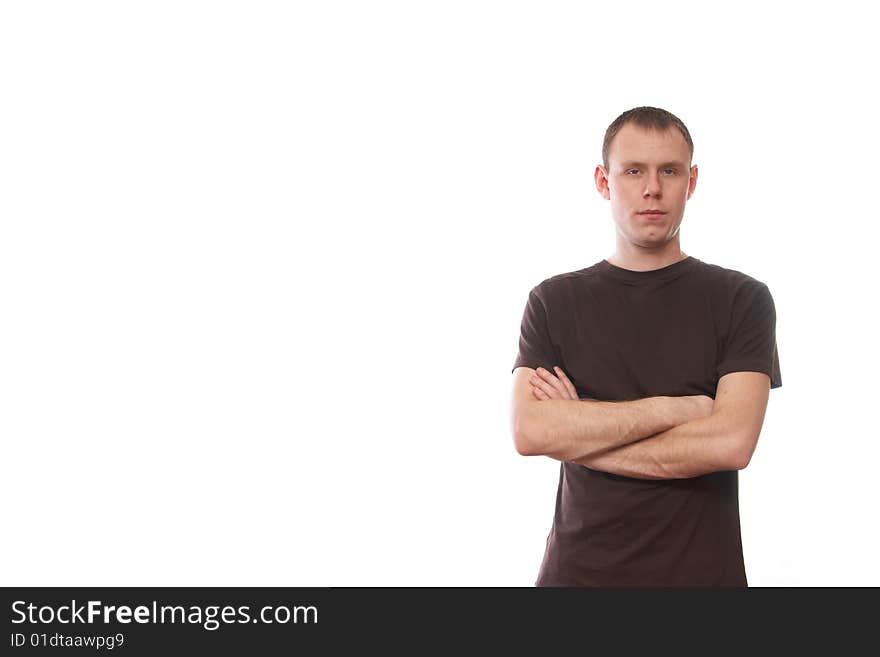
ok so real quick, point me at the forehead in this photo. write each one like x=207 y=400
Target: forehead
x=634 y=143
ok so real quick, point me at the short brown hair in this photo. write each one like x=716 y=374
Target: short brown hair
x=645 y=117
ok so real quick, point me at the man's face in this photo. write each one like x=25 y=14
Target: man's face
x=647 y=170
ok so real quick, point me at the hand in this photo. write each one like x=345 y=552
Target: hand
x=546 y=386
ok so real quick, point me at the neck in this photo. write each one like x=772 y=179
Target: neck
x=637 y=258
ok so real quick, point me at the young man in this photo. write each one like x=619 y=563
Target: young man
x=647 y=375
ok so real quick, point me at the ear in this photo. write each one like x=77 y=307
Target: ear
x=601 y=177
x=692 y=182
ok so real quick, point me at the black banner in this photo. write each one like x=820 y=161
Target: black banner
x=145 y=620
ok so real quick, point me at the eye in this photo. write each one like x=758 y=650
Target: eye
x=629 y=170
x=671 y=171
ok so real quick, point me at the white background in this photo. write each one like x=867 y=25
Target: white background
x=263 y=264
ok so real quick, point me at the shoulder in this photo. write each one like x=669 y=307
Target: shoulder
x=561 y=284
x=736 y=294
x=732 y=280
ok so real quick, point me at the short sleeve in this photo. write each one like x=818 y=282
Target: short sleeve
x=751 y=341
x=535 y=346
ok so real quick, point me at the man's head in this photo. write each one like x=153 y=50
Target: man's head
x=646 y=158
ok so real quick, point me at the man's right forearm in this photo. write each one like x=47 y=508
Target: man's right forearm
x=567 y=429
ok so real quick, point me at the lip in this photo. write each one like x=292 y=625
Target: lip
x=652 y=214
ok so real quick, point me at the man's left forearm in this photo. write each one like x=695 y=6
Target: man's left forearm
x=694 y=448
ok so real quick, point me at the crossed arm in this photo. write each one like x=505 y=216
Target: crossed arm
x=691 y=438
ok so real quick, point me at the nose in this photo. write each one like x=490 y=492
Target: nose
x=652 y=185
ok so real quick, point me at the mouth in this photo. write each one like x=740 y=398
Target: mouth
x=652 y=213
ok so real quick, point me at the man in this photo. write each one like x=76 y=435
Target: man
x=647 y=375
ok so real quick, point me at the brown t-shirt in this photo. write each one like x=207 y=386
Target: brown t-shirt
x=622 y=335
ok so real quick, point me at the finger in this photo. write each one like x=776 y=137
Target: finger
x=540 y=394
x=551 y=380
x=566 y=382
x=543 y=386
x=551 y=386
x=562 y=384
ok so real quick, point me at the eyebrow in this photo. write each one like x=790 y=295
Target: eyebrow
x=681 y=165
